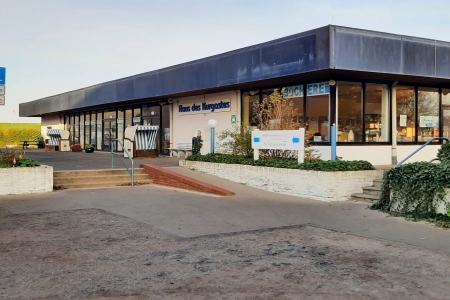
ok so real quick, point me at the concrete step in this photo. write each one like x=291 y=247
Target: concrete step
x=65 y=186
x=378 y=182
x=98 y=178
x=365 y=197
x=372 y=190
x=92 y=179
x=95 y=172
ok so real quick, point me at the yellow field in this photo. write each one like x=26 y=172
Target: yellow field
x=12 y=134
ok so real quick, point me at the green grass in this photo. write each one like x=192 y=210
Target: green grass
x=12 y=134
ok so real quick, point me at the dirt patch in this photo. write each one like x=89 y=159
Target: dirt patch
x=92 y=254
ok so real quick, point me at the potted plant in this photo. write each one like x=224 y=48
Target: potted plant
x=76 y=148
x=89 y=148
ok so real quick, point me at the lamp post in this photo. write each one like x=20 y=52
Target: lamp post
x=212 y=124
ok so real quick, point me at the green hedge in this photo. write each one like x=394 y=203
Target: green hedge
x=328 y=166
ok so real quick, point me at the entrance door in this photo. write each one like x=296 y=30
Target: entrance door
x=109 y=134
x=154 y=121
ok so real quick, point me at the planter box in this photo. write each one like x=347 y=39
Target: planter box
x=26 y=180
x=317 y=185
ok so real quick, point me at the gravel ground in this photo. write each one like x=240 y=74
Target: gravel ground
x=92 y=254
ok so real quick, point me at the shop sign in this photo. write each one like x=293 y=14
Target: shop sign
x=403 y=120
x=136 y=119
x=2 y=100
x=313 y=89
x=293 y=91
x=204 y=107
x=279 y=139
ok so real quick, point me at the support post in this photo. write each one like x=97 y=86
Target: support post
x=394 y=124
x=333 y=141
x=212 y=140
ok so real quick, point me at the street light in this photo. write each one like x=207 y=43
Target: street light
x=212 y=124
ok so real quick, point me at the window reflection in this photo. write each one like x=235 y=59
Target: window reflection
x=349 y=112
x=428 y=110
x=405 y=114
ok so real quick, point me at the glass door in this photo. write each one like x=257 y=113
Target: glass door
x=109 y=134
x=154 y=121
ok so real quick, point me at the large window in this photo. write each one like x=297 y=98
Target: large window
x=249 y=100
x=428 y=113
x=349 y=107
x=376 y=118
x=406 y=120
x=317 y=118
x=445 y=113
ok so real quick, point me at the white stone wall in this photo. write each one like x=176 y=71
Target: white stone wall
x=26 y=180
x=324 y=186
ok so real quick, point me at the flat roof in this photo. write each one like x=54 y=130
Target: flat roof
x=332 y=48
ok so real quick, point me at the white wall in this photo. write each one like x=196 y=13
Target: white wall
x=186 y=126
x=26 y=180
x=380 y=155
x=324 y=186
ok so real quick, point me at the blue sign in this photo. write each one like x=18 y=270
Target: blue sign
x=256 y=140
x=315 y=89
x=295 y=140
x=293 y=91
x=2 y=76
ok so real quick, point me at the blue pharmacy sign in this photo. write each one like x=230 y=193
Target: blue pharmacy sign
x=2 y=76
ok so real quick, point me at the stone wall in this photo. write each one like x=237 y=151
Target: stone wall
x=26 y=180
x=324 y=186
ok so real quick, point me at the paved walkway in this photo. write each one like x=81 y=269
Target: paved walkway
x=189 y=214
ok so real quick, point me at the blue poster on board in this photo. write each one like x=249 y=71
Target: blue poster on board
x=2 y=76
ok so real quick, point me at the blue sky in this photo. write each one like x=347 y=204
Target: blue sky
x=53 y=46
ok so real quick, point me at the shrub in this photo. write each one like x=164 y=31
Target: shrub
x=237 y=141
x=16 y=158
x=197 y=145
x=444 y=153
x=327 y=166
x=415 y=190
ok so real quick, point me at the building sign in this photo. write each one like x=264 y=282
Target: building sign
x=2 y=76
x=314 y=89
x=279 y=139
x=429 y=121
x=233 y=119
x=204 y=107
x=293 y=91
x=136 y=119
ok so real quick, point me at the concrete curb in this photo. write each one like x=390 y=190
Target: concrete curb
x=196 y=184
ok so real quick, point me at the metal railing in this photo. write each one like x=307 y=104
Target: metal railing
x=125 y=150
x=423 y=146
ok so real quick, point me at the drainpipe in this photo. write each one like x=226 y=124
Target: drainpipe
x=394 y=124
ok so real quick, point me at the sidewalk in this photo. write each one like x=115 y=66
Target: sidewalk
x=190 y=214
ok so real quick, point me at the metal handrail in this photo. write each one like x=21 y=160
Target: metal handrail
x=423 y=146
x=125 y=150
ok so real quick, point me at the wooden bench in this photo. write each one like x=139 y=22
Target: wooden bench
x=185 y=148
x=25 y=144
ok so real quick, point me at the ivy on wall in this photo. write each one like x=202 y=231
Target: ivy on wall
x=415 y=190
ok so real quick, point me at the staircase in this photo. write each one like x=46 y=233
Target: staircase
x=370 y=193
x=98 y=178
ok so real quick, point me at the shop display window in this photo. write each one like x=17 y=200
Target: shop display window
x=428 y=114
x=406 y=121
x=349 y=108
x=376 y=118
